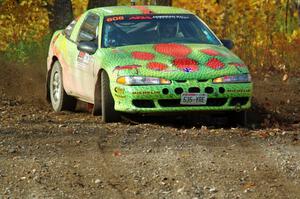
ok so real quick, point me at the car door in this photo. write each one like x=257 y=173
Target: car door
x=84 y=78
x=69 y=50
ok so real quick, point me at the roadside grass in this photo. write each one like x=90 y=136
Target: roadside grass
x=28 y=53
x=23 y=70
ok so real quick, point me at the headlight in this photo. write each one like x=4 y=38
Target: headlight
x=233 y=79
x=138 y=80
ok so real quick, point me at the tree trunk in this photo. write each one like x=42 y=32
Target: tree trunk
x=101 y=3
x=299 y=16
x=60 y=14
x=164 y=2
x=298 y=8
x=287 y=15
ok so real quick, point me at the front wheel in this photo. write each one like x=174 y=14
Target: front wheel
x=108 y=111
x=59 y=99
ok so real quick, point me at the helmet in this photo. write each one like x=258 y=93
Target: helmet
x=168 y=29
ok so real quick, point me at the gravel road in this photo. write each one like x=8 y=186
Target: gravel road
x=74 y=155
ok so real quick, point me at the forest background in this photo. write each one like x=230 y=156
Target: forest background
x=266 y=33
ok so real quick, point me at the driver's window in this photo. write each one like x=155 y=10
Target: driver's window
x=68 y=30
x=89 y=29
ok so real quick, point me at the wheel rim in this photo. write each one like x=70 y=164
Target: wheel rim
x=56 y=87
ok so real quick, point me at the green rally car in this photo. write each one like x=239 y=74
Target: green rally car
x=144 y=59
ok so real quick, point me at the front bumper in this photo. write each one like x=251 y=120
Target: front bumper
x=166 y=98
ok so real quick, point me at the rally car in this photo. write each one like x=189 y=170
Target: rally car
x=145 y=59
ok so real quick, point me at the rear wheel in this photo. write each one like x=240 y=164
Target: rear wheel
x=108 y=111
x=59 y=99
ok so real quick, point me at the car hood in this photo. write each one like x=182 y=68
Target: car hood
x=173 y=61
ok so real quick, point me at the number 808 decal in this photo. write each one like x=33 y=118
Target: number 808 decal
x=115 y=18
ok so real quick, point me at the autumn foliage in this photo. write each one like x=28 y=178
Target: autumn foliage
x=266 y=33
x=22 y=22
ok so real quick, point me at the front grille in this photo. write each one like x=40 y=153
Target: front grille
x=209 y=90
x=194 y=90
x=178 y=91
x=239 y=100
x=176 y=102
x=221 y=90
x=143 y=103
x=180 y=81
x=165 y=91
x=202 y=80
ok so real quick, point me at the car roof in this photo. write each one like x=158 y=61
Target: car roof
x=128 y=10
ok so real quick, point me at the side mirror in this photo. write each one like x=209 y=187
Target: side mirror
x=88 y=47
x=227 y=43
x=84 y=36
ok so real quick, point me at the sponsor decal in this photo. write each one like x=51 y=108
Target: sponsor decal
x=119 y=90
x=238 y=91
x=120 y=96
x=146 y=92
x=140 y=18
x=116 y=18
x=148 y=16
x=83 y=59
x=170 y=17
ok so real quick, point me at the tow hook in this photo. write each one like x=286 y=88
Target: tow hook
x=238 y=107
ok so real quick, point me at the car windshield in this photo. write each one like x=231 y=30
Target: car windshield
x=153 y=29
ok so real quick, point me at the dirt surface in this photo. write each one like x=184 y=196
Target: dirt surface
x=74 y=155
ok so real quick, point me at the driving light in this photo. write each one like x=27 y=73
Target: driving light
x=138 y=80
x=233 y=79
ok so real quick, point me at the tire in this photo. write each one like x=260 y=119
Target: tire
x=237 y=118
x=60 y=101
x=108 y=111
x=97 y=109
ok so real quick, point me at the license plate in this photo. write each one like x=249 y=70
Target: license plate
x=193 y=98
